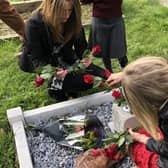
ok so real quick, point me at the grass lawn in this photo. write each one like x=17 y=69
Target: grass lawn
x=147 y=34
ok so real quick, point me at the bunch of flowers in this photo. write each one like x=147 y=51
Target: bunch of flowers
x=115 y=145
x=118 y=96
x=46 y=72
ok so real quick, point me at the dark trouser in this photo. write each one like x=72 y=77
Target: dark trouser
x=74 y=83
x=123 y=61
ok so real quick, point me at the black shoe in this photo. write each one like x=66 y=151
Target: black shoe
x=123 y=61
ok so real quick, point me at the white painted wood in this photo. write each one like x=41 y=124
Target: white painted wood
x=16 y=121
x=119 y=116
x=15 y=115
x=70 y=106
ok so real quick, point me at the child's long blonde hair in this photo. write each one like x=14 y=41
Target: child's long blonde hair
x=51 y=11
x=145 y=83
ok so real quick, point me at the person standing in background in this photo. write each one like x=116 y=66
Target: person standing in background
x=108 y=31
x=11 y=17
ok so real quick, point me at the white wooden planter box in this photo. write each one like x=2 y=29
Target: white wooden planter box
x=17 y=119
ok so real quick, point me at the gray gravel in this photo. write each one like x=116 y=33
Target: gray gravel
x=46 y=153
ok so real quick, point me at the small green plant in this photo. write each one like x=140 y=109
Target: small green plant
x=89 y=140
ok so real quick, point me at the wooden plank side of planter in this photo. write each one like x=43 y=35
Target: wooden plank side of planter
x=16 y=120
x=67 y=107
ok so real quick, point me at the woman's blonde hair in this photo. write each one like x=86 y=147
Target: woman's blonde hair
x=145 y=85
x=51 y=11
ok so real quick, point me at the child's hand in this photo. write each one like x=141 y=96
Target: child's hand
x=61 y=73
x=114 y=79
x=138 y=137
x=87 y=61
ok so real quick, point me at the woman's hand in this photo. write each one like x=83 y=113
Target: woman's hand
x=87 y=61
x=114 y=78
x=138 y=137
x=61 y=73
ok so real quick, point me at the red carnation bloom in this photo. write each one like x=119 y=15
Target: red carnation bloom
x=112 y=153
x=106 y=152
x=96 y=152
x=107 y=73
x=116 y=94
x=112 y=148
x=88 y=79
x=96 y=49
x=117 y=156
x=39 y=81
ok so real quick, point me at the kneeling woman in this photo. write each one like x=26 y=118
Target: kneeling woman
x=54 y=35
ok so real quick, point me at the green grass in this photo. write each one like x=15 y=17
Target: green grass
x=146 y=27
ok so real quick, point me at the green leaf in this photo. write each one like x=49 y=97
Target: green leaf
x=121 y=141
x=86 y=53
x=38 y=70
x=136 y=128
x=48 y=68
x=46 y=76
x=81 y=66
x=128 y=139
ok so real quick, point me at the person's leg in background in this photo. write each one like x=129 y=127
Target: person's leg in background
x=99 y=35
x=107 y=63
x=123 y=61
x=118 y=47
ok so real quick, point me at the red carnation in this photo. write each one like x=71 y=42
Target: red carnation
x=107 y=73
x=106 y=152
x=39 y=81
x=96 y=152
x=117 y=156
x=96 y=49
x=110 y=151
x=112 y=148
x=116 y=94
x=88 y=79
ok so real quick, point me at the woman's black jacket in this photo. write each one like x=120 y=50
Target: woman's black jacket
x=161 y=147
x=41 y=49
